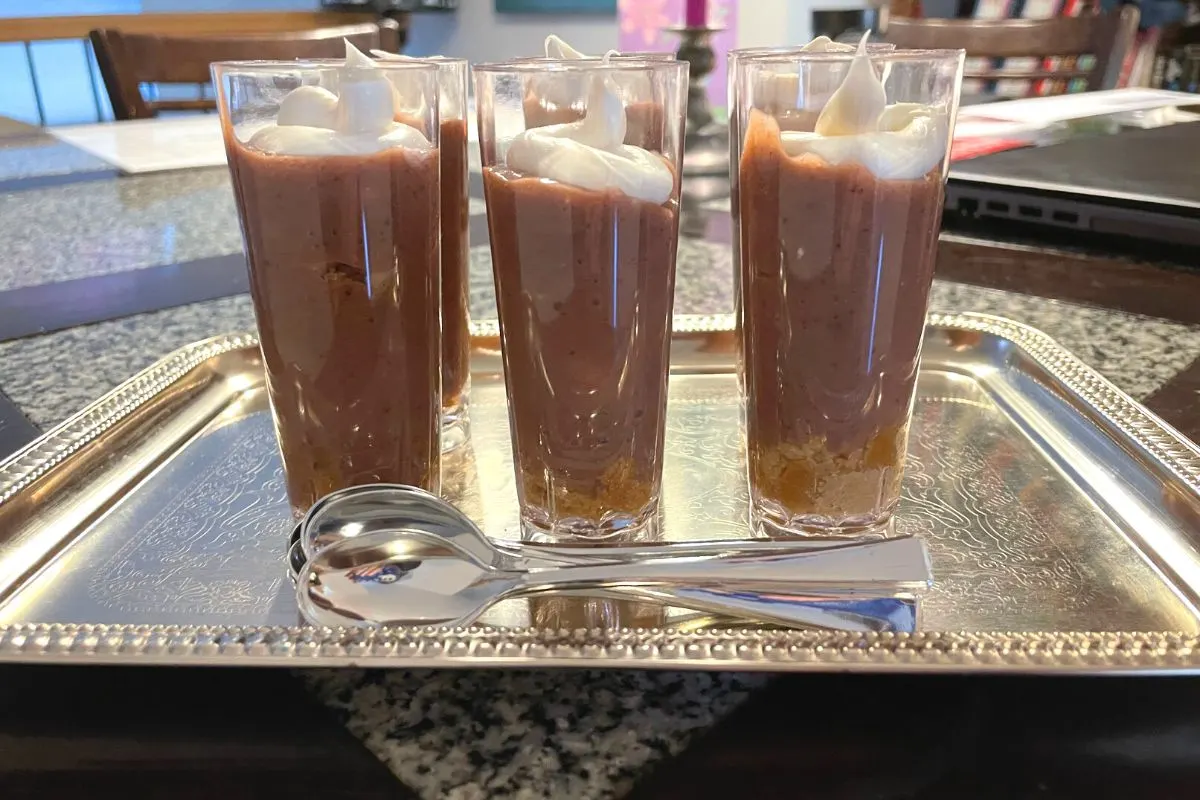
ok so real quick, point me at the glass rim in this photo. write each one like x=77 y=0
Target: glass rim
x=649 y=55
x=793 y=56
x=535 y=65
x=440 y=61
x=630 y=55
x=268 y=66
x=783 y=50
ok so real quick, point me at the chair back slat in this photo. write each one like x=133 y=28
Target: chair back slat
x=129 y=60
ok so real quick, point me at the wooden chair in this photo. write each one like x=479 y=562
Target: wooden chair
x=128 y=60
x=1107 y=37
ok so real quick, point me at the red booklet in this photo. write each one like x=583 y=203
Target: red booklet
x=962 y=149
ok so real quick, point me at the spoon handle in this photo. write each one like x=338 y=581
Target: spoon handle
x=566 y=555
x=894 y=564
x=846 y=611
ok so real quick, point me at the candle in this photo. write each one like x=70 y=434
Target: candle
x=695 y=13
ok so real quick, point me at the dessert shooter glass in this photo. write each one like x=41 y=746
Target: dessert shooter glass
x=456 y=248
x=585 y=283
x=837 y=238
x=792 y=108
x=456 y=252
x=344 y=263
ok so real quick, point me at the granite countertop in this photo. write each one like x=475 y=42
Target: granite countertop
x=40 y=155
x=92 y=228
x=468 y=735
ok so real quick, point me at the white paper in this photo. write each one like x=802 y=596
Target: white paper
x=1063 y=107
x=157 y=145
x=151 y=145
x=991 y=128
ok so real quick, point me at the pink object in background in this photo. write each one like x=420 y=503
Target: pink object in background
x=641 y=29
x=696 y=15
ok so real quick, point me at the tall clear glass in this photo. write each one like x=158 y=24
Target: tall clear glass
x=788 y=105
x=584 y=229
x=456 y=247
x=456 y=253
x=339 y=207
x=840 y=167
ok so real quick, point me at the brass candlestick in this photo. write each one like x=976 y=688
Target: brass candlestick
x=706 y=141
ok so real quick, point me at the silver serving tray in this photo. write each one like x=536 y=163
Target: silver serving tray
x=1062 y=519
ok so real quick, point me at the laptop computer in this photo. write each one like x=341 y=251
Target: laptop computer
x=1137 y=184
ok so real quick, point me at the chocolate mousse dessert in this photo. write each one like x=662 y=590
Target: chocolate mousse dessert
x=585 y=290
x=455 y=220
x=340 y=220
x=837 y=250
x=456 y=254
x=584 y=267
x=644 y=125
x=541 y=111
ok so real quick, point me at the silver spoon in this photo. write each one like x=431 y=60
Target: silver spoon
x=362 y=510
x=417 y=578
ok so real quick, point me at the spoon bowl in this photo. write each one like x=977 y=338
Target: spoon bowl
x=410 y=580
x=362 y=510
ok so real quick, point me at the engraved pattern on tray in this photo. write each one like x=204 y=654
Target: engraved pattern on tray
x=982 y=559
x=44 y=454
x=224 y=521
x=226 y=524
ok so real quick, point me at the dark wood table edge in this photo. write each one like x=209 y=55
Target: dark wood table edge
x=9 y=185
x=16 y=430
x=1153 y=288
x=47 y=307
x=1161 y=290
x=199 y=732
x=1178 y=401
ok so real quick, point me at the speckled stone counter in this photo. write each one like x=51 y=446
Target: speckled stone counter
x=95 y=228
x=41 y=156
x=53 y=375
x=532 y=734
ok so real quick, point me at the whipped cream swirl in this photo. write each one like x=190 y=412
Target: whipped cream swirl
x=784 y=91
x=450 y=99
x=559 y=49
x=591 y=153
x=902 y=141
x=823 y=44
x=566 y=90
x=358 y=120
